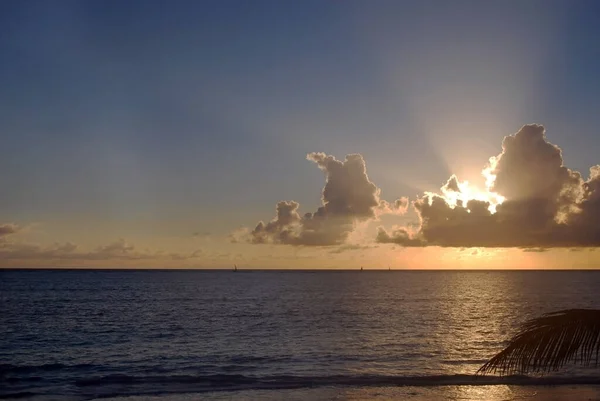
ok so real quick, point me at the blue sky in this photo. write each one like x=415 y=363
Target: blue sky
x=164 y=118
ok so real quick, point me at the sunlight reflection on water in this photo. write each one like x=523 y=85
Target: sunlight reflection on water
x=440 y=393
x=87 y=333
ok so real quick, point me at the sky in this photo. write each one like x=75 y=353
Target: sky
x=161 y=133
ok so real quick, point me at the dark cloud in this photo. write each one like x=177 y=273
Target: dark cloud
x=545 y=204
x=8 y=229
x=348 y=190
x=400 y=236
x=350 y=247
x=348 y=197
x=532 y=202
x=530 y=167
x=451 y=185
x=284 y=228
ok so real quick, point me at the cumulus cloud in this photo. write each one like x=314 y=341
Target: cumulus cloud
x=399 y=206
x=532 y=201
x=347 y=198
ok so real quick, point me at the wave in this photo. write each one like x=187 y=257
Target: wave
x=85 y=382
x=236 y=381
x=167 y=376
x=18 y=395
x=7 y=368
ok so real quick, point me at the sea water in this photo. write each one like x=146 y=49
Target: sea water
x=343 y=335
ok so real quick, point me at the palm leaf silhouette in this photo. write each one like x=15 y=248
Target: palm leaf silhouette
x=549 y=342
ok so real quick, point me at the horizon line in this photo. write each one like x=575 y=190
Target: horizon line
x=200 y=269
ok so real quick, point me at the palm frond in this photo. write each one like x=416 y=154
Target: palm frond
x=549 y=342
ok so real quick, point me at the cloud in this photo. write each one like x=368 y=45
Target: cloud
x=199 y=234
x=451 y=185
x=118 y=250
x=8 y=229
x=400 y=236
x=15 y=253
x=348 y=197
x=350 y=247
x=178 y=256
x=239 y=235
x=538 y=250
x=532 y=201
x=24 y=251
x=398 y=207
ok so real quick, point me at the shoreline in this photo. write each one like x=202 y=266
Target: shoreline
x=497 y=392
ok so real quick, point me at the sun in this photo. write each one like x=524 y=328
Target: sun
x=470 y=192
x=457 y=192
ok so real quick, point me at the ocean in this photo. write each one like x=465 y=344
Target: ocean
x=274 y=335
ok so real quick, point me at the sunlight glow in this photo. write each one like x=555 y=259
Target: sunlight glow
x=466 y=191
x=490 y=178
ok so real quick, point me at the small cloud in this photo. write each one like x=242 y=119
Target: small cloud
x=184 y=256
x=401 y=236
x=117 y=249
x=199 y=234
x=8 y=229
x=537 y=250
x=239 y=235
x=350 y=247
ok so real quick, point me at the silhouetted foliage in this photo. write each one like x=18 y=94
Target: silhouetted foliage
x=549 y=342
